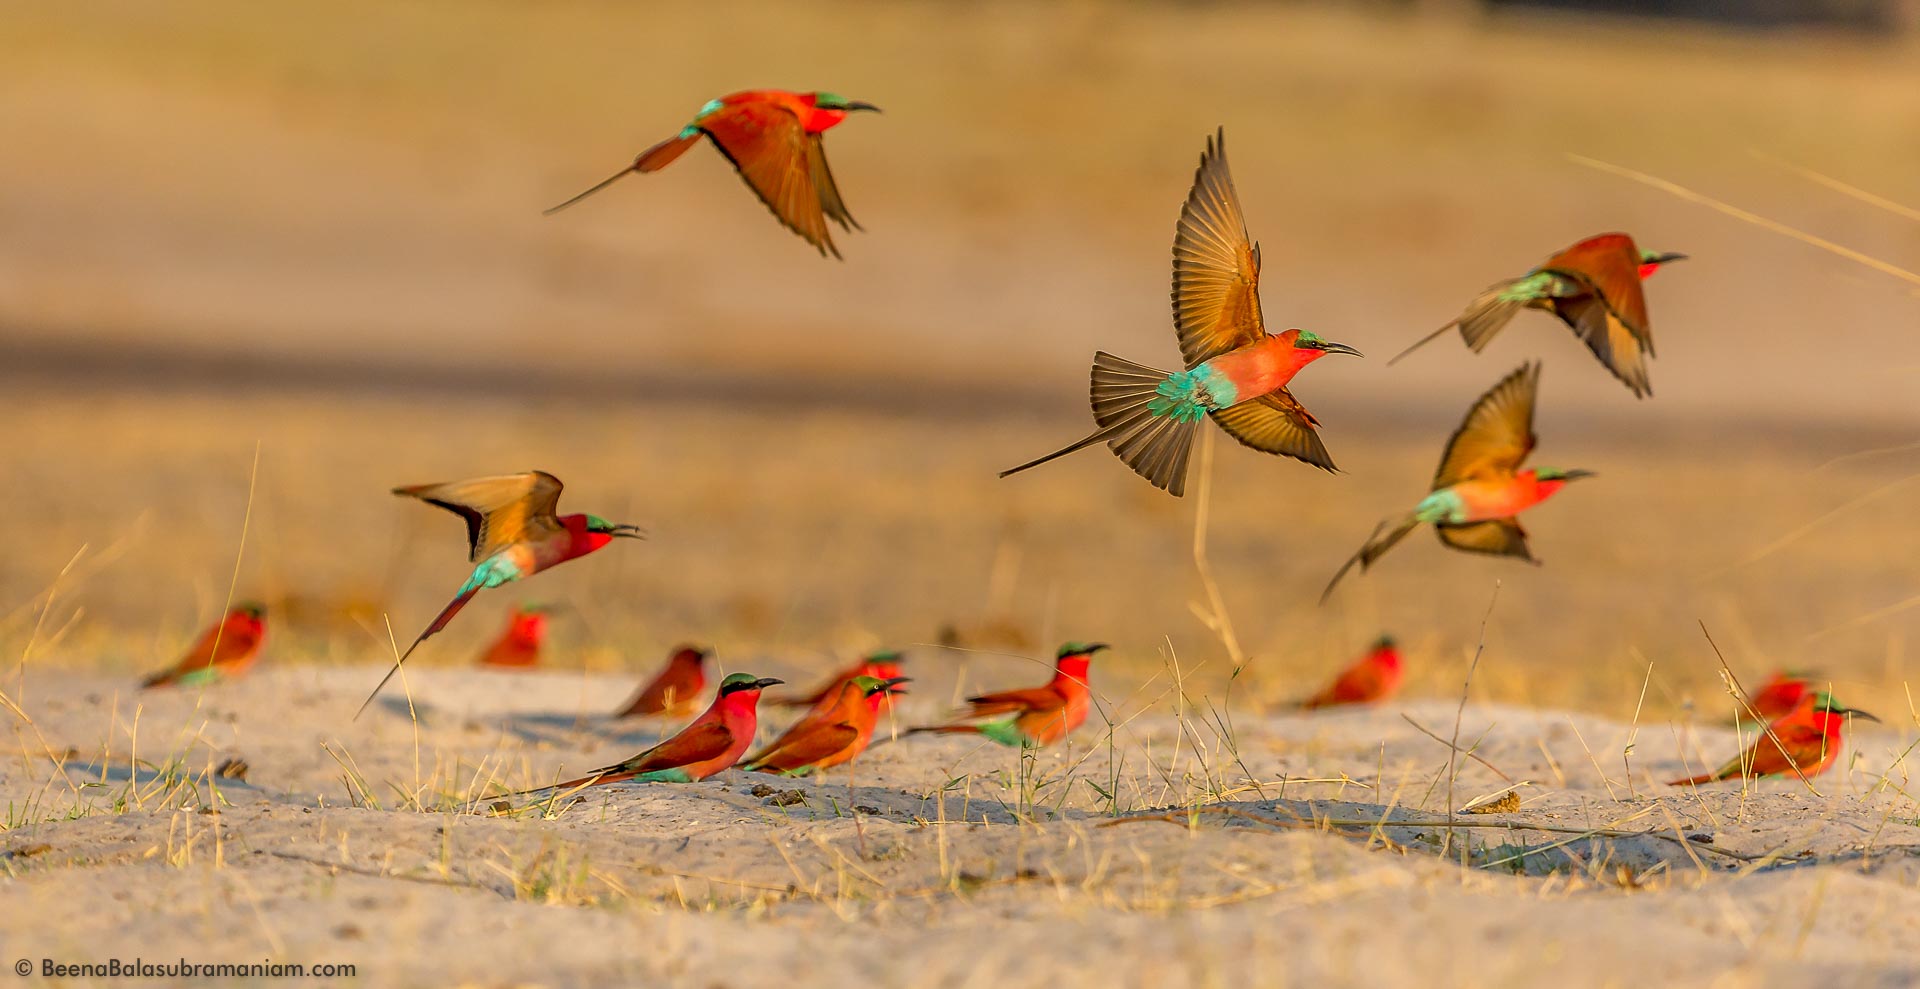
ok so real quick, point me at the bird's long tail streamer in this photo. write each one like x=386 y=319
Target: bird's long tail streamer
x=446 y=615
x=1376 y=546
x=1156 y=446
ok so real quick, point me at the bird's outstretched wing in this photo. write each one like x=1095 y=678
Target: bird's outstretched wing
x=1216 y=269
x=499 y=510
x=1277 y=423
x=1612 y=318
x=783 y=164
x=1498 y=537
x=1497 y=433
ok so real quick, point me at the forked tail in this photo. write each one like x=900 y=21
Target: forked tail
x=1376 y=546
x=1486 y=315
x=446 y=615
x=1156 y=444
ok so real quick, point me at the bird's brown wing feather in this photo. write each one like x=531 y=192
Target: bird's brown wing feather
x=1497 y=433
x=1610 y=263
x=1498 y=537
x=696 y=743
x=1216 y=269
x=830 y=201
x=1010 y=701
x=797 y=748
x=1623 y=349
x=781 y=163
x=1276 y=423
x=499 y=510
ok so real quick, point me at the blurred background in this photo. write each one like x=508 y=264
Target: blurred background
x=313 y=232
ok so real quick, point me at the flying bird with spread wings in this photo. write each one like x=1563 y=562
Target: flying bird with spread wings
x=774 y=140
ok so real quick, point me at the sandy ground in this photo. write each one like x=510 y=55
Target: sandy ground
x=315 y=235
x=939 y=863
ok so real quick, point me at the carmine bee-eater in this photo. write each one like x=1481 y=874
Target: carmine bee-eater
x=226 y=650
x=512 y=532
x=675 y=691
x=712 y=742
x=882 y=665
x=519 y=646
x=1594 y=287
x=1039 y=716
x=1809 y=739
x=1781 y=694
x=828 y=736
x=1375 y=677
x=773 y=138
x=1236 y=372
x=1479 y=490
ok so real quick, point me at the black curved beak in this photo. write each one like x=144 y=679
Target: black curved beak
x=890 y=686
x=858 y=105
x=1575 y=475
x=1668 y=258
x=765 y=682
x=624 y=531
x=1340 y=348
x=1094 y=648
x=1856 y=712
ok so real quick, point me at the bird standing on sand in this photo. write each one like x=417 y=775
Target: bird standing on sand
x=1807 y=739
x=519 y=646
x=1594 y=287
x=1375 y=677
x=882 y=665
x=712 y=742
x=512 y=533
x=830 y=736
x=1479 y=490
x=676 y=690
x=773 y=138
x=224 y=651
x=1236 y=372
x=1039 y=716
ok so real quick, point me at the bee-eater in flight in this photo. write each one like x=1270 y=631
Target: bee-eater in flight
x=1594 y=287
x=829 y=736
x=714 y=741
x=1236 y=372
x=1479 y=490
x=773 y=138
x=512 y=532
x=1808 y=739
x=1375 y=677
x=675 y=691
x=519 y=646
x=882 y=665
x=224 y=651
x=1038 y=716
x=1781 y=694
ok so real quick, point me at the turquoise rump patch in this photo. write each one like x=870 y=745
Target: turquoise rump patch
x=492 y=572
x=1005 y=733
x=1188 y=396
x=1444 y=505
x=1538 y=285
x=666 y=776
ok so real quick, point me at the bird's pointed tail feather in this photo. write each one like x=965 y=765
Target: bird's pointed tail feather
x=1157 y=447
x=651 y=160
x=1384 y=536
x=446 y=615
x=1485 y=316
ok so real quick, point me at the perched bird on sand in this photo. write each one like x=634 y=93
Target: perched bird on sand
x=1374 y=677
x=224 y=651
x=828 y=736
x=773 y=138
x=714 y=741
x=1594 y=287
x=1037 y=716
x=1236 y=372
x=1809 y=739
x=1479 y=490
x=882 y=665
x=1781 y=694
x=675 y=690
x=519 y=646
x=512 y=533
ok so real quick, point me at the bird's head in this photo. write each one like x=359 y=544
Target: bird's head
x=739 y=684
x=1311 y=347
x=1075 y=658
x=690 y=655
x=251 y=610
x=529 y=621
x=1830 y=714
x=1384 y=643
x=884 y=663
x=831 y=108
x=598 y=532
x=1650 y=261
x=1552 y=479
x=874 y=686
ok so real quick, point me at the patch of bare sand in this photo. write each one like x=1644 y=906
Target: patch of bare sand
x=938 y=861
